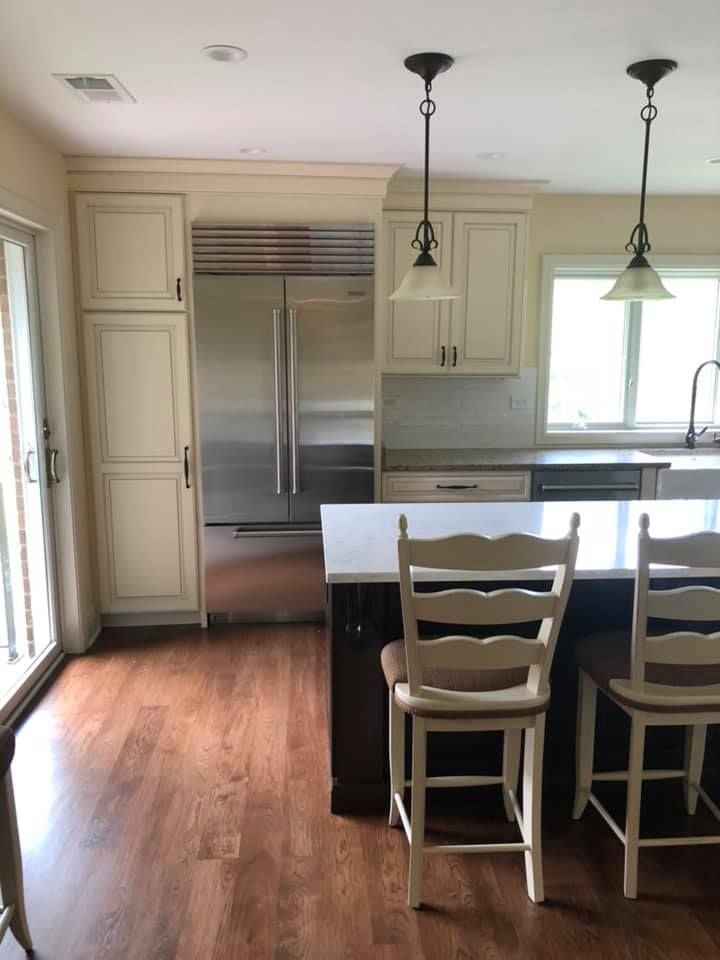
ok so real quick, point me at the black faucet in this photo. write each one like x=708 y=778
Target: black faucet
x=692 y=434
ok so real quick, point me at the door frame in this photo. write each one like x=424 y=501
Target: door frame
x=78 y=623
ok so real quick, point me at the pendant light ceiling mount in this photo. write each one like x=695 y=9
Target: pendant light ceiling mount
x=424 y=280
x=639 y=281
x=429 y=65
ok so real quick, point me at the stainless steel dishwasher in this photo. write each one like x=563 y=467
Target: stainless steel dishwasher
x=599 y=484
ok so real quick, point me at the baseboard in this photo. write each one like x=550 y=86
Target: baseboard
x=150 y=619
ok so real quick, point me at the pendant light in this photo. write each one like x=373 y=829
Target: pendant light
x=424 y=280
x=639 y=281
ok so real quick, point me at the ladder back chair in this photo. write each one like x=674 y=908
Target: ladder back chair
x=458 y=682
x=659 y=679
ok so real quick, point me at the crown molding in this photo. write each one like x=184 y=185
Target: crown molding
x=406 y=193
x=228 y=176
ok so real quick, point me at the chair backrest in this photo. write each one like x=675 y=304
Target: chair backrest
x=681 y=648
x=465 y=607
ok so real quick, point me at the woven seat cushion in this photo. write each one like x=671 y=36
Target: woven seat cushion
x=7 y=749
x=606 y=656
x=394 y=665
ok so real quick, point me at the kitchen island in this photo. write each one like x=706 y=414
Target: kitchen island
x=359 y=543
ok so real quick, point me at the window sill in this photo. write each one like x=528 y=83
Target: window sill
x=615 y=438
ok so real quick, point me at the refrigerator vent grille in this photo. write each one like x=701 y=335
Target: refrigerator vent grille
x=344 y=249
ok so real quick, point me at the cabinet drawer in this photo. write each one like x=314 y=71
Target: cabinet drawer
x=445 y=487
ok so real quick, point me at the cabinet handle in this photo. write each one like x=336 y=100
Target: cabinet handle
x=178 y=289
x=456 y=486
x=186 y=469
x=442 y=356
x=454 y=356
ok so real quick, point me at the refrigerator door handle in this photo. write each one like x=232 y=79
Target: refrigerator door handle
x=277 y=366
x=293 y=391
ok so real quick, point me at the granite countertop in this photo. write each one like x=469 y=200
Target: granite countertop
x=360 y=540
x=428 y=460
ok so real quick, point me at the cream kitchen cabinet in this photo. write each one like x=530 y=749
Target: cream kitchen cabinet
x=140 y=430
x=416 y=334
x=434 y=487
x=131 y=251
x=484 y=254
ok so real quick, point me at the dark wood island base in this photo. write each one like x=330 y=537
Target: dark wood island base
x=363 y=617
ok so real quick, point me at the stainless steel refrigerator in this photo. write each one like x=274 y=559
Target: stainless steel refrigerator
x=286 y=387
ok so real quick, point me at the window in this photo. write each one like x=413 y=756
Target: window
x=608 y=367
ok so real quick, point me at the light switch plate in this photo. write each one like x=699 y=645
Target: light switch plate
x=519 y=403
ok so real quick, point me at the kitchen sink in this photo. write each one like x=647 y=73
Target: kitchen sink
x=693 y=474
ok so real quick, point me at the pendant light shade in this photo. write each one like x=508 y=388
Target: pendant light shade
x=424 y=280
x=639 y=281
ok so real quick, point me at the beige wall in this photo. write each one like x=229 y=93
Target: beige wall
x=33 y=185
x=562 y=224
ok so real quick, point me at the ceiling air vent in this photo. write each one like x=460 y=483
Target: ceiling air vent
x=97 y=88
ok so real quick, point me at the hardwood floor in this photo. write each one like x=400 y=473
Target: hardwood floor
x=172 y=790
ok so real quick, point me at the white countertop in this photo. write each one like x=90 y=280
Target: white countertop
x=360 y=540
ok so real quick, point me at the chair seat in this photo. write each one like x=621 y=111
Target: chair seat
x=514 y=699
x=7 y=749
x=605 y=657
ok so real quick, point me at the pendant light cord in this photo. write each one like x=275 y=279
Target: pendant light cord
x=639 y=242
x=425 y=228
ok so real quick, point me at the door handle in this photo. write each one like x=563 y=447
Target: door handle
x=52 y=467
x=279 y=485
x=292 y=398
x=178 y=289
x=28 y=472
x=186 y=468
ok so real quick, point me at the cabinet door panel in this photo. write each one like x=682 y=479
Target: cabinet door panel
x=415 y=332
x=138 y=384
x=149 y=543
x=488 y=266
x=130 y=251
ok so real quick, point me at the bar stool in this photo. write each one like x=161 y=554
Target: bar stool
x=461 y=683
x=12 y=912
x=670 y=679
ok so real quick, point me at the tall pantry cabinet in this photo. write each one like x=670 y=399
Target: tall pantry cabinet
x=131 y=273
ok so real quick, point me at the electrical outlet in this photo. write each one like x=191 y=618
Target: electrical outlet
x=519 y=403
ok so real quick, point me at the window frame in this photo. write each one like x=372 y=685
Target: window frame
x=601 y=265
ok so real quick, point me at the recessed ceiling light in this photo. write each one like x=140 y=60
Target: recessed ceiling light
x=495 y=155
x=225 y=53
x=253 y=151
x=713 y=160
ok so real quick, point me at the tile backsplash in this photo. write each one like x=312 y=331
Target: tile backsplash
x=447 y=412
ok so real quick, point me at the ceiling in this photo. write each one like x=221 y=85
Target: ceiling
x=543 y=83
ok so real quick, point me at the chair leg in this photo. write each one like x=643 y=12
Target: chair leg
x=397 y=757
x=632 y=814
x=694 y=758
x=11 y=879
x=417 y=814
x=532 y=807
x=584 y=742
x=511 y=768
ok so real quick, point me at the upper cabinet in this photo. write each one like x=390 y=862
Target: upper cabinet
x=416 y=332
x=131 y=252
x=484 y=256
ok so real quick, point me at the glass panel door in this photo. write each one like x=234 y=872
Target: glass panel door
x=27 y=465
